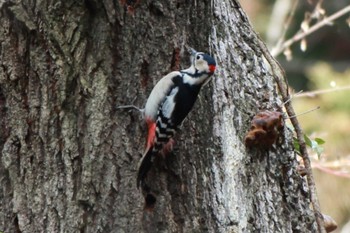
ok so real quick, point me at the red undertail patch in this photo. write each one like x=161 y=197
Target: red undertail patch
x=151 y=132
x=168 y=147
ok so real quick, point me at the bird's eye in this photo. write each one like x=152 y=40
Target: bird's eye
x=198 y=57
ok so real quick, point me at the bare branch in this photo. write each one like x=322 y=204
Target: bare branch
x=331 y=171
x=302 y=34
x=312 y=94
x=287 y=24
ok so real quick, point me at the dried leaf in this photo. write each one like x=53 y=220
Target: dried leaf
x=288 y=53
x=329 y=223
x=305 y=26
x=321 y=11
x=303 y=45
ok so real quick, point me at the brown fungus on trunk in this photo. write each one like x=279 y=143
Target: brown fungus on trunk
x=265 y=129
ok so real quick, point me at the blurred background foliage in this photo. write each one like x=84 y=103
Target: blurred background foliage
x=322 y=73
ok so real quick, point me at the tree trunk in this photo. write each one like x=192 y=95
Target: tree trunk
x=69 y=158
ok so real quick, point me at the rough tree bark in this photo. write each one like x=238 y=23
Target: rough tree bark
x=69 y=158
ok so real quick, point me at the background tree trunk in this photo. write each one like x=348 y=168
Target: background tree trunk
x=69 y=159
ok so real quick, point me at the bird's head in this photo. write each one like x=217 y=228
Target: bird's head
x=202 y=62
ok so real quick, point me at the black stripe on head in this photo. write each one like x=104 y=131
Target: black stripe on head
x=209 y=59
x=195 y=75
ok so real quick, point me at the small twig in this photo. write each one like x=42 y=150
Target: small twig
x=130 y=107
x=303 y=113
x=319 y=92
x=287 y=25
x=279 y=77
x=315 y=27
x=290 y=99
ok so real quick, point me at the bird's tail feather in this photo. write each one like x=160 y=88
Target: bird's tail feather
x=144 y=167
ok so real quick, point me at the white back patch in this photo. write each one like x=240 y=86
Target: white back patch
x=169 y=103
x=158 y=95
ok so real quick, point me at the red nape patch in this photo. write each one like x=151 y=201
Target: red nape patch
x=151 y=132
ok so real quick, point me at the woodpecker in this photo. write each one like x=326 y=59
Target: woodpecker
x=170 y=101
